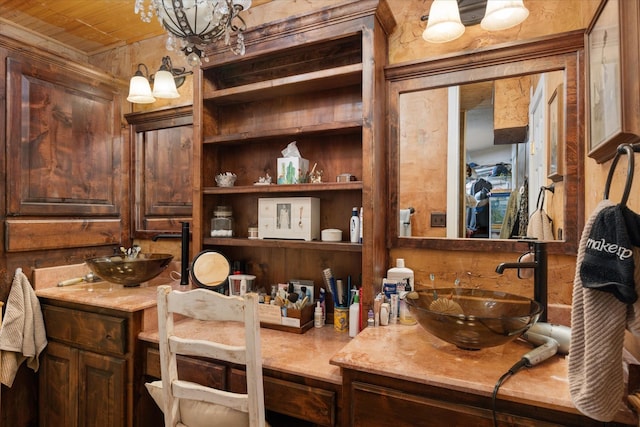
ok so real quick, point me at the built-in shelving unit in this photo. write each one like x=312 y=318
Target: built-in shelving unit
x=316 y=79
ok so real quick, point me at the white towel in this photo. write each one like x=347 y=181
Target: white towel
x=22 y=334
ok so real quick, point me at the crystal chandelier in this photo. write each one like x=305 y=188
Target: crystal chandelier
x=193 y=24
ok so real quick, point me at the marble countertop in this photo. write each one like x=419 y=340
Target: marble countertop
x=412 y=354
x=402 y=352
x=110 y=295
x=305 y=354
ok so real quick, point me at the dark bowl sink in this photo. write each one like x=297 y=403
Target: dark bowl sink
x=129 y=271
x=473 y=319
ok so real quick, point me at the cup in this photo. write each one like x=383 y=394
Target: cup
x=341 y=319
x=240 y=284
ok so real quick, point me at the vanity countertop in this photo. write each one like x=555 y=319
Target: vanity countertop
x=110 y=295
x=403 y=352
x=410 y=353
x=305 y=354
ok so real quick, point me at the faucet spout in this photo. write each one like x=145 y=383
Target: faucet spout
x=507 y=265
x=539 y=266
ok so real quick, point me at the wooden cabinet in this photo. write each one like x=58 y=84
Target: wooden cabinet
x=66 y=181
x=315 y=402
x=380 y=400
x=162 y=156
x=87 y=370
x=316 y=79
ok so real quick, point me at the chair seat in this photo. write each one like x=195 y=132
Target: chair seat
x=201 y=414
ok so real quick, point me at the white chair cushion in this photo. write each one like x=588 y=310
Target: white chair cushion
x=201 y=414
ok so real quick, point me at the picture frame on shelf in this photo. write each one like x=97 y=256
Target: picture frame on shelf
x=612 y=92
x=555 y=140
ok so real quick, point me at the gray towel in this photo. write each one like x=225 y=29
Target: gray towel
x=22 y=334
x=598 y=321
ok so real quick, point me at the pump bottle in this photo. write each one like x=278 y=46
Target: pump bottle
x=400 y=273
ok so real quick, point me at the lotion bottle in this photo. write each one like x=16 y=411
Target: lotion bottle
x=400 y=273
x=354 y=316
x=354 y=226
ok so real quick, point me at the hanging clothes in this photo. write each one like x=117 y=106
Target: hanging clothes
x=523 y=210
x=510 y=216
x=540 y=224
x=478 y=216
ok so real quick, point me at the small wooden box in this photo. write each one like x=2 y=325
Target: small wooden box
x=296 y=321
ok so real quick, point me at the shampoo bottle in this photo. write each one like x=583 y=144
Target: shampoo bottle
x=354 y=226
x=354 y=316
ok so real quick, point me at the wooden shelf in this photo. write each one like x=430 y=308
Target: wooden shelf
x=285 y=188
x=331 y=128
x=284 y=244
x=308 y=82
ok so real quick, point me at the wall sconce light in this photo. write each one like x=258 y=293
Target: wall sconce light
x=165 y=83
x=447 y=19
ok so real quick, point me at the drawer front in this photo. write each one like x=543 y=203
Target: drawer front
x=305 y=402
x=90 y=331
x=189 y=369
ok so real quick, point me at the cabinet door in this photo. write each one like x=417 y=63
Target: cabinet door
x=101 y=390
x=58 y=386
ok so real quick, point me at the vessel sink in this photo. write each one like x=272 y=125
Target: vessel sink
x=128 y=271
x=473 y=319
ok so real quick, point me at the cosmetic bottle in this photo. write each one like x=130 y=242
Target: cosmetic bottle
x=354 y=226
x=360 y=220
x=354 y=316
x=317 y=316
x=400 y=273
x=370 y=319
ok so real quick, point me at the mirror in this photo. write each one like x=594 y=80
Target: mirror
x=480 y=140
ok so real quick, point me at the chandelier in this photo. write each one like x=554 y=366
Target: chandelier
x=193 y=24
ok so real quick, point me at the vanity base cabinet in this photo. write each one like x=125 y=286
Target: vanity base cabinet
x=315 y=402
x=86 y=372
x=378 y=400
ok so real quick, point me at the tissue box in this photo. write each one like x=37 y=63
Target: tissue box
x=289 y=218
x=292 y=170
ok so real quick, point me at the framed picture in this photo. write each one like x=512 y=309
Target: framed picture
x=612 y=64
x=555 y=140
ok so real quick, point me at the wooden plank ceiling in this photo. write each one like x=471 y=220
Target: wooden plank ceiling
x=90 y=26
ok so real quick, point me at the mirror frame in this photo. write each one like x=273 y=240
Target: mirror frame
x=563 y=51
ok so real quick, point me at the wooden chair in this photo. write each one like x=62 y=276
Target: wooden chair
x=190 y=404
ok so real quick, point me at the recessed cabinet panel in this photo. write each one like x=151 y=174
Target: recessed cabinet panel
x=162 y=170
x=64 y=143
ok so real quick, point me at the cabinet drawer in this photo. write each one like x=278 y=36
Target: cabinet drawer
x=189 y=369
x=308 y=403
x=91 y=331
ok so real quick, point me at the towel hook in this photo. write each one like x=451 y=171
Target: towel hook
x=622 y=149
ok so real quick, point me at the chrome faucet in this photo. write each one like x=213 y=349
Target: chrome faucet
x=184 y=262
x=539 y=265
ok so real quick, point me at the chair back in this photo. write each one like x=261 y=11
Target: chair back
x=206 y=305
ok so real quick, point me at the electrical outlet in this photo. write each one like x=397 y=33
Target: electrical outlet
x=438 y=219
